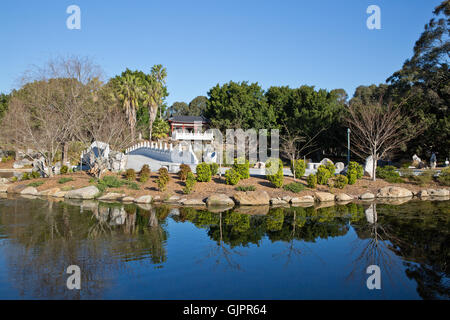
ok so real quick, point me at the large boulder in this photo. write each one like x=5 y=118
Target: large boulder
x=112 y=196
x=143 y=199
x=172 y=199
x=219 y=199
x=83 y=193
x=438 y=192
x=32 y=191
x=192 y=202
x=394 y=192
x=252 y=198
x=49 y=192
x=342 y=197
x=278 y=202
x=367 y=196
x=16 y=188
x=304 y=199
x=324 y=196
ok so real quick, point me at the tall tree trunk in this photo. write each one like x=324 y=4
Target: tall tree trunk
x=151 y=118
x=65 y=148
x=374 y=166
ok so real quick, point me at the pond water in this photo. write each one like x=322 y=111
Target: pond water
x=162 y=252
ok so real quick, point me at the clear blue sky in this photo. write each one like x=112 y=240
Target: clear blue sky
x=324 y=43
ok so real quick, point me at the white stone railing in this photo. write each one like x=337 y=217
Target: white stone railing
x=163 y=152
x=178 y=135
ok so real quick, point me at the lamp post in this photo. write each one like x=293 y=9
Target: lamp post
x=348 y=146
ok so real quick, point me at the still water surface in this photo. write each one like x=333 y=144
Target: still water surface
x=149 y=252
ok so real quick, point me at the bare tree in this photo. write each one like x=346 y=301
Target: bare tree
x=379 y=129
x=294 y=144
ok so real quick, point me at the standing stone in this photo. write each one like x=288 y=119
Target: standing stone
x=339 y=167
x=368 y=166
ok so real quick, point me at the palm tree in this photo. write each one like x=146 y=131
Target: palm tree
x=154 y=93
x=129 y=91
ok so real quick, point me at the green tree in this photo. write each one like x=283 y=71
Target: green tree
x=179 y=109
x=198 y=106
x=239 y=105
x=4 y=101
x=425 y=77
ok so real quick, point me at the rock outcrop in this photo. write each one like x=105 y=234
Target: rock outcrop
x=324 y=196
x=219 y=199
x=394 y=192
x=83 y=193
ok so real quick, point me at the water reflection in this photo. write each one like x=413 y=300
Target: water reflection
x=41 y=238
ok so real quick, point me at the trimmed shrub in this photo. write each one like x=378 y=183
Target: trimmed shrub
x=389 y=174
x=163 y=179
x=232 y=177
x=243 y=169
x=312 y=181
x=359 y=169
x=214 y=168
x=340 y=181
x=295 y=187
x=64 y=170
x=277 y=178
x=323 y=174
x=352 y=175
x=423 y=179
x=190 y=183
x=298 y=167
x=130 y=174
x=184 y=170
x=331 y=168
x=203 y=172
x=245 y=188
x=25 y=176
x=144 y=174
x=444 y=177
x=35 y=175
x=108 y=182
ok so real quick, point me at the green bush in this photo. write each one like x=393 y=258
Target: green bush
x=243 y=169
x=130 y=175
x=312 y=181
x=352 y=175
x=35 y=175
x=444 y=177
x=214 y=168
x=64 y=180
x=184 y=170
x=357 y=167
x=108 y=182
x=190 y=183
x=14 y=179
x=295 y=187
x=340 y=181
x=423 y=179
x=323 y=174
x=203 y=172
x=64 y=170
x=389 y=174
x=298 y=167
x=277 y=178
x=25 y=176
x=331 y=168
x=36 y=184
x=133 y=185
x=163 y=179
x=144 y=174
x=245 y=188
x=232 y=177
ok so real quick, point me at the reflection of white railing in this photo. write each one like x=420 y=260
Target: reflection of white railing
x=177 y=135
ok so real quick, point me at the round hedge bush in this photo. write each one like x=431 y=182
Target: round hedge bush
x=203 y=172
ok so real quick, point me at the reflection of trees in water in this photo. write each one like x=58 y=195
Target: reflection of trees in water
x=418 y=232
x=47 y=237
